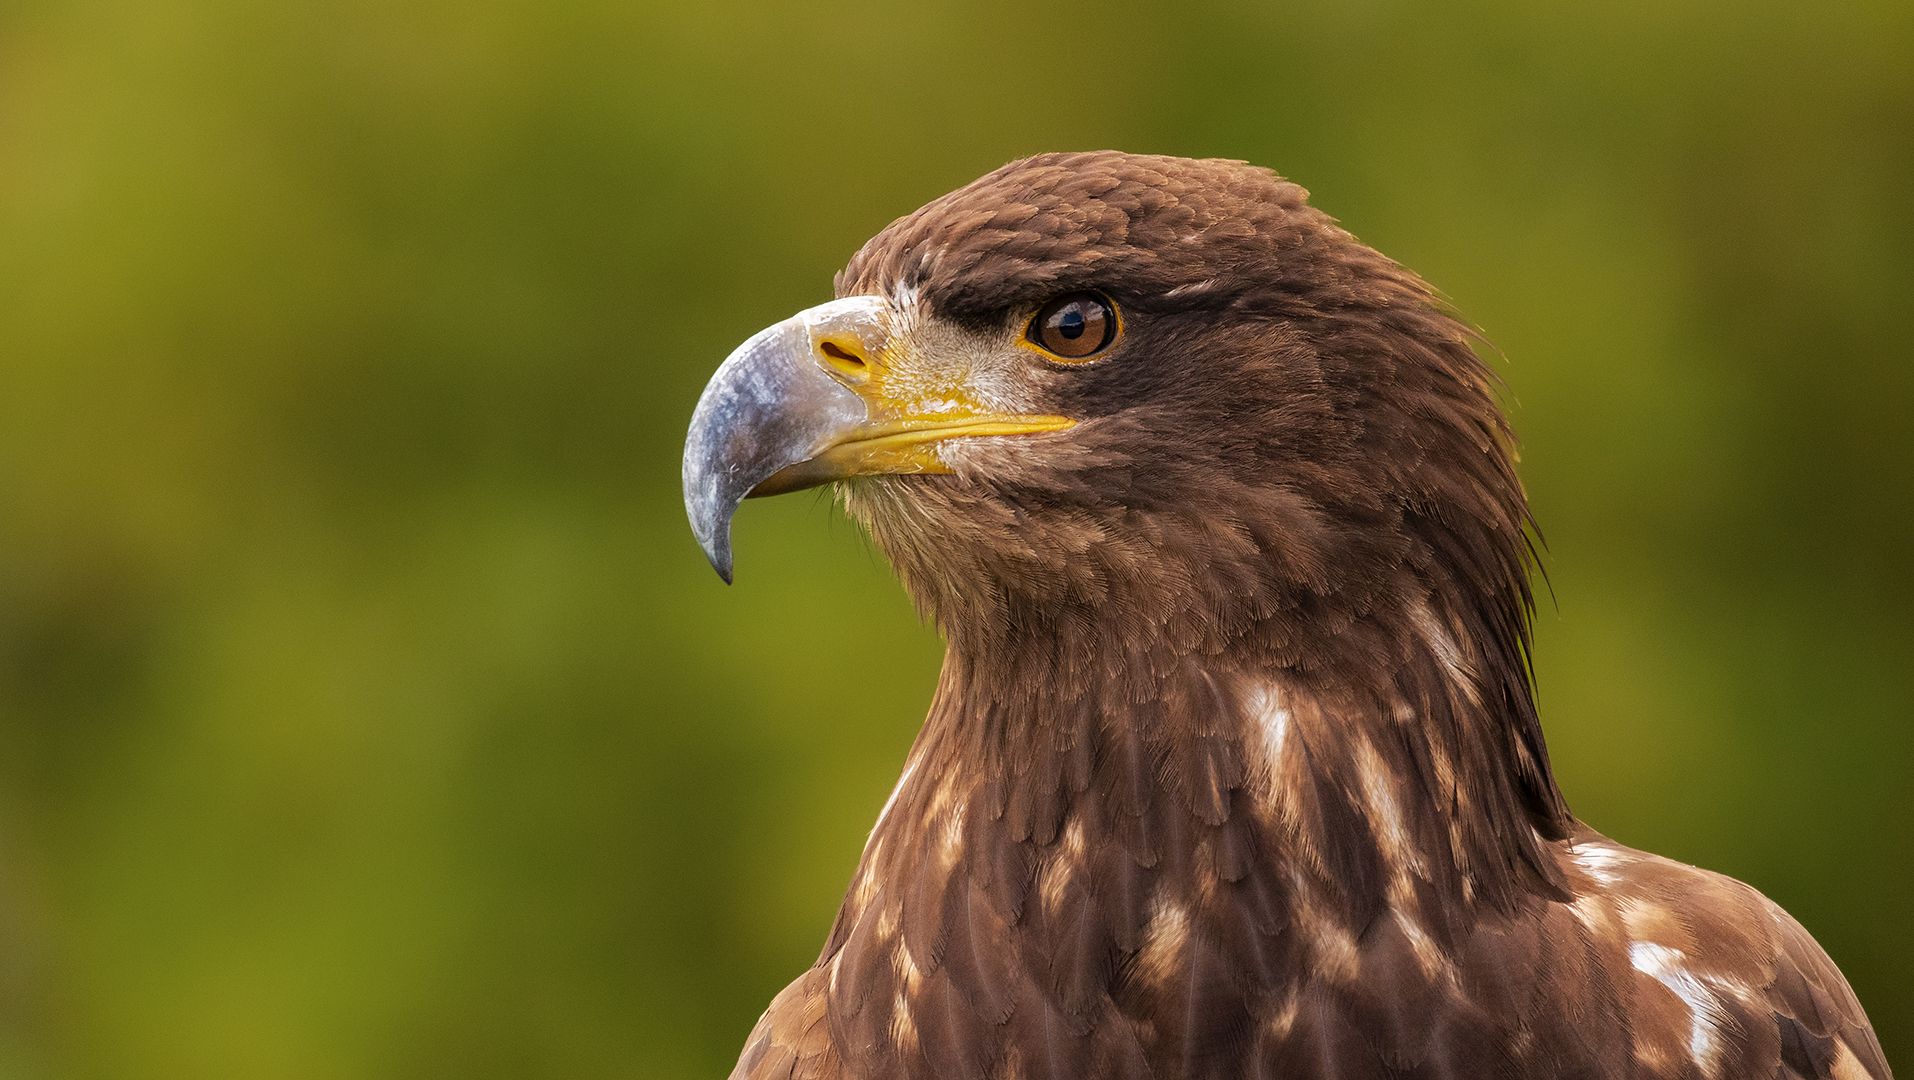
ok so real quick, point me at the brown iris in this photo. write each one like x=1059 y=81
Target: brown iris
x=1074 y=327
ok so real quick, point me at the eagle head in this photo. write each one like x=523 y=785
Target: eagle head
x=1100 y=393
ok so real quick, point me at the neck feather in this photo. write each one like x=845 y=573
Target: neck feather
x=1212 y=827
x=1212 y=781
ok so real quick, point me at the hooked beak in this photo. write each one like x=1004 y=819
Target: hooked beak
x=805 y=402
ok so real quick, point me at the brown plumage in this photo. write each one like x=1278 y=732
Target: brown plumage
x=1234 y=768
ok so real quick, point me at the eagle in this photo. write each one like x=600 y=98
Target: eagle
x=1233 y=769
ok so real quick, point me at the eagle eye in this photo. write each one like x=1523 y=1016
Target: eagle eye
x=1074 y=327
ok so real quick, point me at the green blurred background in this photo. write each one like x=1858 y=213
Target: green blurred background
x=365 y=707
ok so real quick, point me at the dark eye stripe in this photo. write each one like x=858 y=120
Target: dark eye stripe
x=1074 y=327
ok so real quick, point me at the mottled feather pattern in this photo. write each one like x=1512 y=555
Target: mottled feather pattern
x=1234 y=768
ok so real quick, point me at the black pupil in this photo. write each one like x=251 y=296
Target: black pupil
x=1071 y=324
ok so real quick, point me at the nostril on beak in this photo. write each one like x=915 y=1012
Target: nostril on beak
x=846 y=358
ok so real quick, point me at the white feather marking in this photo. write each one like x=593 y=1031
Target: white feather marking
x=1442 y=643
x=1598 y=862
x=1380 y=794
x=910 y=767
x=1165 y=937
x=1847 y=1066
x=953 y=832
x=1588 y=911
x=1265 y=705
x=1664 y=965
x=904 y=296
x=903 y=1027
x=1428 y=954
x=1194 y=288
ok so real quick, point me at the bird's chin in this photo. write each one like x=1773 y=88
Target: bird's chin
x=945 y=520
x=897 y=505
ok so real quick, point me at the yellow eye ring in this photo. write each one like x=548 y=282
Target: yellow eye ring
x=1074 y=328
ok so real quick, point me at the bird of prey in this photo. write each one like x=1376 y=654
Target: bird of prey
x=1233 y=769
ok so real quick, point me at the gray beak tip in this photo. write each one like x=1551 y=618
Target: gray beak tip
x=711 y=525
x=721 y=562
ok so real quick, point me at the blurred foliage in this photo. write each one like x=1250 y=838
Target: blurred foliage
x=365 y=707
